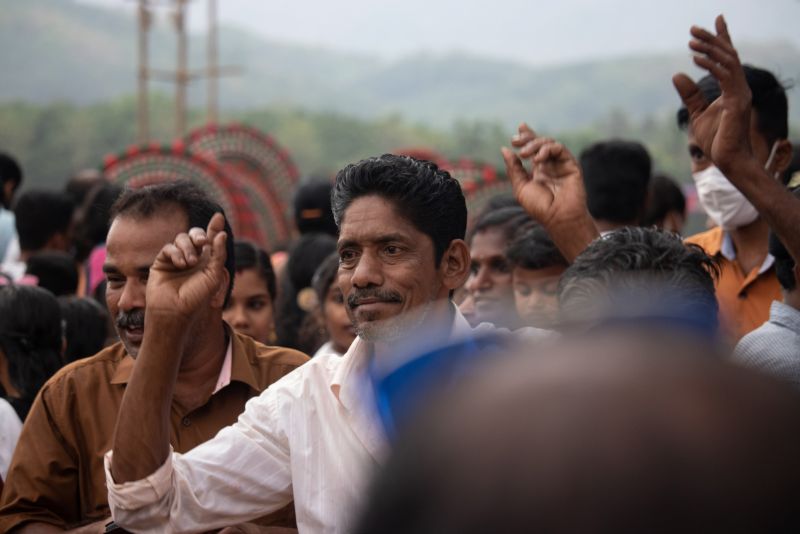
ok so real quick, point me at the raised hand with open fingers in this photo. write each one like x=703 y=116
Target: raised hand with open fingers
x=552 y=192
x=189 y=272
x=722 y=127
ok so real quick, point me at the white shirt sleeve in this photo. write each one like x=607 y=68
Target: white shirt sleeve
x=242 y=473
x=10 y=429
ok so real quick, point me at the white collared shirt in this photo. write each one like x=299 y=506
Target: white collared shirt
x=313 y=436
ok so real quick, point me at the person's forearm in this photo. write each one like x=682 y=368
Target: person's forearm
x=779 y=208
x=141 y=436
x=574 y=236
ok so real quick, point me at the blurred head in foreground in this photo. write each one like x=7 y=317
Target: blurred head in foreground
x=401 y=244
x=640 y=274
x=626 y=431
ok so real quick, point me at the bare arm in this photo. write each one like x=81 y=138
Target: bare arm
x=552 y=192
x=183 y=278
x=722 y=129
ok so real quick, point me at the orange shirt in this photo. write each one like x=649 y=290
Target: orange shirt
x=56 y=475
x=744 y=299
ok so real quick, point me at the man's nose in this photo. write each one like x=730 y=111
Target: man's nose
x=133 y=295
x=480 y=281
x=368 y=271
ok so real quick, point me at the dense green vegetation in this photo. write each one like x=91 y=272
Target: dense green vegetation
x=54 y=140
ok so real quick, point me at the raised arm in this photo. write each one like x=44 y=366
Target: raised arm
x=552 y=192
x=183 y=278
x=722 y=129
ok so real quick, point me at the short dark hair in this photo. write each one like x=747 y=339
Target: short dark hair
x=665 y=196
x=506 y=219
x=248 y=256
x=305 y=256
x=86 y=330
x=423 y=193
x=56 y=271
x=784 y=262
x=30 y=338
x=616 y=175
x=769 y=102
x=645 y=264
x=10 y=171
x=145 y=202
x=324 y=277
x=532 y=248
x=500 y=200
x=41 y=214
x=81 y=184
x=312 y=207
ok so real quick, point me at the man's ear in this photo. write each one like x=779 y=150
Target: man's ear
x=454 y=266
x=783 y=156
x=218 y=300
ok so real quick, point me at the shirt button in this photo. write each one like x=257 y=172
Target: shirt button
x=186 y=421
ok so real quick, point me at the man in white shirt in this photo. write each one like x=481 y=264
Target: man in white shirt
x=314 y=435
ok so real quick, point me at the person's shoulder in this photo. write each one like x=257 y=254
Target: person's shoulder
x=710 y=240
x=86 y=371
x=770 y=340
x=260 y=354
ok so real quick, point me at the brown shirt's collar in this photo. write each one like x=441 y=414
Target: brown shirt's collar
x=124 y=369
x=241 y=369
x=244 y=350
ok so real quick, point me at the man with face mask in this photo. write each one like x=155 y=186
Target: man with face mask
x=747 y=283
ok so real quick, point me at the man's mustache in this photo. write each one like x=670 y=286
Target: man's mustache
x=131 y=319
x=381 y=295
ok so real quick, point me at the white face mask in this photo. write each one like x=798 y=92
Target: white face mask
x=723 y=203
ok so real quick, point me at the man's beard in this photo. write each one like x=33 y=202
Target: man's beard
x=124 y=320
x=391 y=328
x=394 y=328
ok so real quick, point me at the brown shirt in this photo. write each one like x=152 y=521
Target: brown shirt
x=744 y=298
x=56 y=475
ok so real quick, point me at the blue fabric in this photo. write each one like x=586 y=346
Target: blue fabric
x=401 y=393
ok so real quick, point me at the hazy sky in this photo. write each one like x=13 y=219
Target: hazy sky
x=530 y=31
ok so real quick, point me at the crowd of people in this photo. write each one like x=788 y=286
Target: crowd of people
x=571 y=363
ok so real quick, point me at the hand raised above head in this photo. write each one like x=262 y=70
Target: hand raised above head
x=722 y=127
x=189 y=272
x=552 y=192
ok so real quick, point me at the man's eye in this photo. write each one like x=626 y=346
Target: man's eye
x=523 y=290
x=347 y=256
x=500 y=266
x=392 y=250
x=473 y=268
